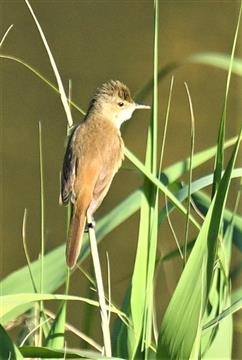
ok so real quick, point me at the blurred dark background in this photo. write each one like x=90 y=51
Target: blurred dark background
x=94 y=41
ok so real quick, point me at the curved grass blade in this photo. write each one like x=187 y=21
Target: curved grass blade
x=40 y=76
x=5 y=35
x=54 y=67
x=219 y=60
x=10 y=303
x=190 y=170
x=221 y=135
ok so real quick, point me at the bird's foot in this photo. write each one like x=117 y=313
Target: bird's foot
x=90 y=225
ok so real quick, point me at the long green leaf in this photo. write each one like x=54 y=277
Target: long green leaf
x=47 y=353
x=178 y=169
x=217 y=341
x=137 y=298
x=8 y=350
x=179 y=327
x=236 y=306
x=141 y=298
x=202 y=201
x=159 y=185
x=120 y=330
x=153 y=198
x=196 y=185
x=11 y=303
x=55 y=338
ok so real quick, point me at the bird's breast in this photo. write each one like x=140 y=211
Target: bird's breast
x=99 y=138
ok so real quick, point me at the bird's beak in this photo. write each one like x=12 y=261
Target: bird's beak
x=140 y=106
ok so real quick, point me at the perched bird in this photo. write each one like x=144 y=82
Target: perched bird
x=93 y=155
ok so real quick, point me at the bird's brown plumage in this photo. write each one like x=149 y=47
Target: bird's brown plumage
x=94 y=154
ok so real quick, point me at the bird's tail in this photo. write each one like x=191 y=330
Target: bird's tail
x=75 y=236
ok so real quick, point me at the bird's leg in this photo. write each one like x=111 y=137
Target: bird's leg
x=90 y=224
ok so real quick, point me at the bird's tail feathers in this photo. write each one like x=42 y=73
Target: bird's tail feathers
x=75 y=236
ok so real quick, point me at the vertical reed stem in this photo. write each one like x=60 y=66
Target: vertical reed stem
x=100 y=290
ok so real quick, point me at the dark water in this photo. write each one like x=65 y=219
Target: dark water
x=93 y=41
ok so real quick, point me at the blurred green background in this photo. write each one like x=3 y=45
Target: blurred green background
x=92 y=42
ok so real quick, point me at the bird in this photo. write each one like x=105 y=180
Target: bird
x=94 y=153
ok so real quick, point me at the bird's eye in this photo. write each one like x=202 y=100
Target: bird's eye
x=120 y=104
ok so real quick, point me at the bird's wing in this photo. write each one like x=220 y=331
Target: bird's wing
x=68 y=171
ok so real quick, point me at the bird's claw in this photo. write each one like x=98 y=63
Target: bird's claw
x=90 y=225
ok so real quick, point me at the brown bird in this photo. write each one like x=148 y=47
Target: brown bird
x=93 y=155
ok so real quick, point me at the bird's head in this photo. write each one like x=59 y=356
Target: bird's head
x=113 y=100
